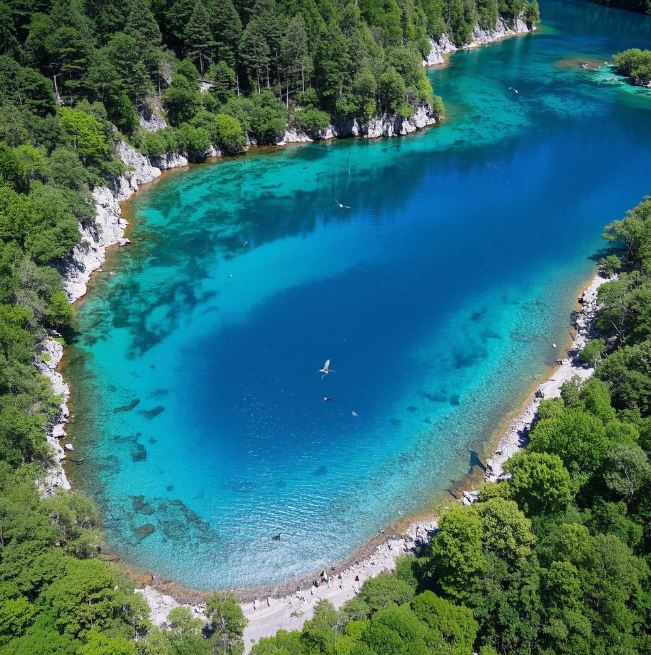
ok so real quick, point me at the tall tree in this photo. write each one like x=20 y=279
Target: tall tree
x=295 y=53
x=255 y=51
x=142 y=26
x=198 y=39
x=226 y=29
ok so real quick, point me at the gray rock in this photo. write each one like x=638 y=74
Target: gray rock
x=444 y=46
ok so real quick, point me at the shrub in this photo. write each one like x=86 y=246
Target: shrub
x=311 y=119
x=228 y=134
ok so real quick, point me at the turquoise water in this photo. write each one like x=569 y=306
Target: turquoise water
x=437 y=296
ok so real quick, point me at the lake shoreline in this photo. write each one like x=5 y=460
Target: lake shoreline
x=124 y=188
x=287 y=605
x=110 y=230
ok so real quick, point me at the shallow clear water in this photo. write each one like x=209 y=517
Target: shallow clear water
x=437 y=297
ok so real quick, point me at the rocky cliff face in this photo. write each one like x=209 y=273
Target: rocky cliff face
x=108 y=227
x=50 y=355
x=384 y=125
x=480 y=36
x=107 y=230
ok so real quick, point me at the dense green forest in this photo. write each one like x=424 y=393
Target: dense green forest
x=556 y=560
x=262 y=64
x=635 y=64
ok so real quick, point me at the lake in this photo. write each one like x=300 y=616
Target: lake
x=437 y=297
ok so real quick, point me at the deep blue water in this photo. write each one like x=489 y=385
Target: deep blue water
x=437 y=297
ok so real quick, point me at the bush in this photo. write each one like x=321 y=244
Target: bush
x=268 y=118
x=228 y=134
x=194 y=140
x=610 y=265
x=592 y=351
x=391 y=90
x=635 y=64
x=311 y=119
x=532 y=12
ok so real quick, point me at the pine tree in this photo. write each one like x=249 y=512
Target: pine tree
x=174 y=21
x=254 y=50
x=226 y=29
x=142 y=26
x=198 y=40
x=266 y=12
x=295 y=53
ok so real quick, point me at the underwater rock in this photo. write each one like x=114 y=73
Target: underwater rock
x=141 y=506
x=127 y=408
x=138 y=453
x=143 y=531
x=151 y=413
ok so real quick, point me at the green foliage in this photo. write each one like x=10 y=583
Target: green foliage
x=457 y=560
x=383 y=590
x=592 y=351
x=99 y=644
x=531 y=12
x=193 y=140
x=228 y=134
x=391 y=91
x=453 y=628
x=85 y=132
x=268 y=118
x=227 y=623
x=635 y=64
x=540 y=483
x=311 y=119
x=626 y=470
x=610 y=265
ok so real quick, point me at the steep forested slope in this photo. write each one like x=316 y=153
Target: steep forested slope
x=261 y=62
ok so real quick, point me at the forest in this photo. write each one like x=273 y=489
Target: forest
x=555 y=560
x=224 y=73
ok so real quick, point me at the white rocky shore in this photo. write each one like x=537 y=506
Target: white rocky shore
x=106 y=230
x=108 y=227
x=48 y=358
x=386 y=125
x=444 y=46
x=267 y=615
x=516 y=435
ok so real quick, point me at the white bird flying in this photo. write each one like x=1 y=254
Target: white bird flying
x=341 y=205
x=326 y=369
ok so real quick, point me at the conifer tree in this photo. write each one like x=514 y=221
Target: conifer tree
x=198 y=40
x=226 y=29
x=255 y=51
x=142 y=26
x=295 y=53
